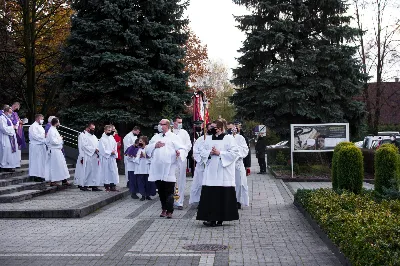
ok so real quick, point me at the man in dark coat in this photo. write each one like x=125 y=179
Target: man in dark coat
x=260 y=153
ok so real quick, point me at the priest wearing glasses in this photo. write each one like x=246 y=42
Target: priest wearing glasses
x=166 y=151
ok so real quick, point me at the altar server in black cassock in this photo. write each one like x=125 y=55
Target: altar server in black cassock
x=218 y=196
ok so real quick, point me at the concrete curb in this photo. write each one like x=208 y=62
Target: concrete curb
x=321 y=233
x=77 y=211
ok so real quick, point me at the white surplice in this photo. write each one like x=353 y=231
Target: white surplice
x=195 y=190
x=108 y=163
x=164 y=160
x=8 y=158
x=37 y=150
x=142 y=163
x=56 y=167
x=79 y=174
x=242 y=190
x=182 y=165
x=128 y=141
x=88 y=161
x=220 y=169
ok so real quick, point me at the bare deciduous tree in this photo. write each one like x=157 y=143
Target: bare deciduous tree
x=379 y=51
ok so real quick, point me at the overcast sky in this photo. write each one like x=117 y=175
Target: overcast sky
x=213 y=22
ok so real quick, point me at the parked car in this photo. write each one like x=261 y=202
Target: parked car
x=359 y=144
x=373 y=142
x=384 y=140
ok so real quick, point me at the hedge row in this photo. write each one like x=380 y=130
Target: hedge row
x=300 y=158
x=367 y=232
x=315 y=158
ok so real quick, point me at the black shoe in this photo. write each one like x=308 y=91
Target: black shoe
x=96 y=189
x=219 y=223
x=148 y=198
x=134 y=196
x=143 y=198
x=239 y=206
x=84 y=189
x=210 y=223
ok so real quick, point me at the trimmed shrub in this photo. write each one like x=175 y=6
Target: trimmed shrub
x=334 y=162
x=350 y=169
x=302 y=158
x=367 y=232
x=386 y=168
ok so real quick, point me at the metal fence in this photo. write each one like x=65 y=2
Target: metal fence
x=70 y=136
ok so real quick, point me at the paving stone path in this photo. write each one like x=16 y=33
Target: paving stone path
x=129 y=232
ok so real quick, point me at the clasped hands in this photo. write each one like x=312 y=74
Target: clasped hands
x=214 y=151
x=160 y=144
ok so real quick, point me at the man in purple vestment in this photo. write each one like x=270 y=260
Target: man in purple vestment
x=18 y=125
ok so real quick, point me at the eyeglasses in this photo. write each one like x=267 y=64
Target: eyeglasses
x=162 y=124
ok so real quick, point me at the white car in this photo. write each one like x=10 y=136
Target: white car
x=359 y=144
x=281 y=144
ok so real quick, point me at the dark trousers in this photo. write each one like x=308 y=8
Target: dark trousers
x=166 y=193
x=262 y=164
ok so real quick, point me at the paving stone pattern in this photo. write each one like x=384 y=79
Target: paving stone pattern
x=130 y=232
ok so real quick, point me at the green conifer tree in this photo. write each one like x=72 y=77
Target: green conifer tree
x=125 y=61
x=298 y=64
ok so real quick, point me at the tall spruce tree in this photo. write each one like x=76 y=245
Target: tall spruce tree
x=125 y=61
x=298 y=64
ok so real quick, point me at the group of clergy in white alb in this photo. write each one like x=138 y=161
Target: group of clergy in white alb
x=46 y=157
x=96 y=165
x=219 y=181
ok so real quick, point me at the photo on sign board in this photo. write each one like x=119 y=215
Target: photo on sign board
x=322 y=137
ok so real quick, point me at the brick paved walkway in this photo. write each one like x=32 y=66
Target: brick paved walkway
x=129 y=232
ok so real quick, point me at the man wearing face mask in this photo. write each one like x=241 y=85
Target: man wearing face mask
x=181 y=165
x=166 y=151
x=218 y=197
x=128 y=141
x=9 y=158
x=108 y=163
x=242 y=190
x=37 y=149
x=247 y=159
x=56 y=167
x=88 y=164
x=195 y=190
